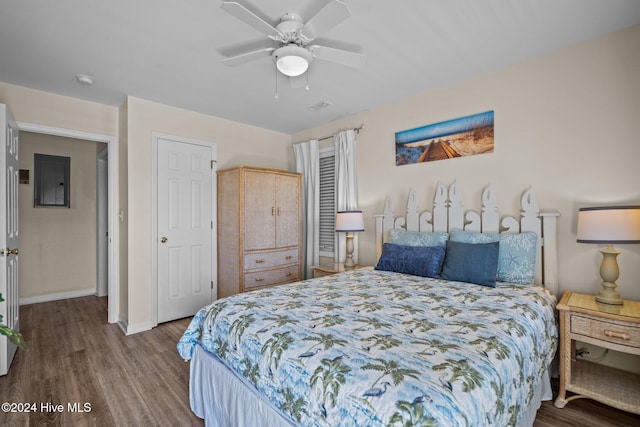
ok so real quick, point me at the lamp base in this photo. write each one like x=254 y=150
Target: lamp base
x=609 y=273
x=609 y=296
x=349 y=263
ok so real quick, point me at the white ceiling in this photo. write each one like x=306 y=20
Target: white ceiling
x=170 y=51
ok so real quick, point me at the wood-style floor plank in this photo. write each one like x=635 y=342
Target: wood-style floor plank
x=124 y=399
x=76 y=357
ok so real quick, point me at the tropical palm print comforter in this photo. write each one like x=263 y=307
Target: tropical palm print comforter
x=375 y=348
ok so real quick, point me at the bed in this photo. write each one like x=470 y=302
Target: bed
x=442 y=341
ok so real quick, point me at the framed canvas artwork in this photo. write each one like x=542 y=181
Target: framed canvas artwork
x=465 y=136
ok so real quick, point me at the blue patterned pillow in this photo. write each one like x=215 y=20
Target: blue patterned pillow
x=471 y=262
x=422 y=261
x=417 y=238
x=517 y=257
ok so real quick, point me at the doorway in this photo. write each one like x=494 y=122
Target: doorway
x=112 y=223
x=102 y=193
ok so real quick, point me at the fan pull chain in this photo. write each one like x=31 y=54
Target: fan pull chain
x=307 y=76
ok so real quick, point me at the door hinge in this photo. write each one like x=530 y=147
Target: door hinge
x=213 y=162
x=212 y=284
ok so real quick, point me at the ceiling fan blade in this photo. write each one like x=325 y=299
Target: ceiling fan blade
x=250 y=18
x=248 y=56
x=344 y=57
x=328 y=17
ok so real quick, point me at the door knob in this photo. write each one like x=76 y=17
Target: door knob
x=163 y=239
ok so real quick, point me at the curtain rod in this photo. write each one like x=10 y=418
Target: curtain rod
x=357 y=130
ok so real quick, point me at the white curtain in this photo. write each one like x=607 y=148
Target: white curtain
x=307 y=155
x=346 y=186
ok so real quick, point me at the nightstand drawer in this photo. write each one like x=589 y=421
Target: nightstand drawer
x=605 y=331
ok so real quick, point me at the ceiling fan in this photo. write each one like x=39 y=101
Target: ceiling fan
x=292 y=36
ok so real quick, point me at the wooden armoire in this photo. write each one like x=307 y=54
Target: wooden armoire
x=259 y=228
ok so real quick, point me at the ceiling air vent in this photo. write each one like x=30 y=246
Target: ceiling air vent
x=319 y=106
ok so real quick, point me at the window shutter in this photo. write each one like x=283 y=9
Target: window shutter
x=327 y=203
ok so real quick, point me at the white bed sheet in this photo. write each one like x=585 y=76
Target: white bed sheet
x=223 y=399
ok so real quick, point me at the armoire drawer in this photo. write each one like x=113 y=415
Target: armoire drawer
x=270 y=259
x=258 y=279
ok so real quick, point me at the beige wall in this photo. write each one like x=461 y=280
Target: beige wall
x=43 y=108
x=58 y=245
x=132 y=123
x=566 y=124
x=47 y=109
x=236 y=144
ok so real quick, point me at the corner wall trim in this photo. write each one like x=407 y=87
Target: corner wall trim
x=123 y=324
x=137 y=328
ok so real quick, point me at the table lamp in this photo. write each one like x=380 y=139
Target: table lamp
x=349 y=222
x=609 y=225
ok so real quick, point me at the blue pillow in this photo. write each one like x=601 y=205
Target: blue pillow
x=422 y=261
x=517 y=256
x=417 y=238
x=471 y=262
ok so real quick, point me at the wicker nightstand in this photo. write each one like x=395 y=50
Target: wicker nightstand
x=613 y=327
x=329 y=269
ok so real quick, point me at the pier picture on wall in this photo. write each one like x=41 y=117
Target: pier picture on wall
x=466 y=136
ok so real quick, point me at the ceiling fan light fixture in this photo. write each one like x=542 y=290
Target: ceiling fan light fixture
x=292 y=60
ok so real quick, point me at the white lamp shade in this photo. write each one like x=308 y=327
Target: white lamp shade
x=349 y=221
x=609 y=224
x=292 y=60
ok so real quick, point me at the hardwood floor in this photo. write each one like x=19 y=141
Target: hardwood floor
x=583 y=413
x=75 y=357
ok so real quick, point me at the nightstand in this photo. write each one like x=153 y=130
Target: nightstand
x=329 y=269
x=616 y=327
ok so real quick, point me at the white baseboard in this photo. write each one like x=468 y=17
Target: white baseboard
x=134 y=329
x=57 y=296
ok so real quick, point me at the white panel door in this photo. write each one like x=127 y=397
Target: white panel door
x=9 y=238
x=185 y=228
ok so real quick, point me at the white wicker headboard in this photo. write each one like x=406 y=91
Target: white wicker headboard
x=449 y=214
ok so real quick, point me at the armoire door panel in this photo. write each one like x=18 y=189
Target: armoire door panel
x=259 y=211
x=287 y=211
